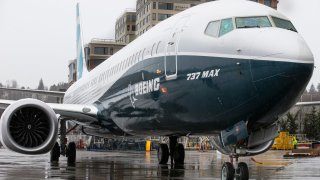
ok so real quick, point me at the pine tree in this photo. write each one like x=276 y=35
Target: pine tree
x=292 y=119
x=318 y=87
x=312 y=90
x=41 y=85
x=312 y=124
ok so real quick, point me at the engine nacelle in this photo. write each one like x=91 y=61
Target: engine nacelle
x=29 y=126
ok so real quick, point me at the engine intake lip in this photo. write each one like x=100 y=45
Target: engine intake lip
x=18 y=144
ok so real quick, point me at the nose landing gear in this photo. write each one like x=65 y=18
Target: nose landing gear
x=228 y=171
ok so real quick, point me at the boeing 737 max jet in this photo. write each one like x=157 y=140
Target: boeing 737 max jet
x=226 y=69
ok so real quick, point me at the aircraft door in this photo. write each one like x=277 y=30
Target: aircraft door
x=172 y=49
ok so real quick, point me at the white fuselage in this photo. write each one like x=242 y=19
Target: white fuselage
x=186 y=31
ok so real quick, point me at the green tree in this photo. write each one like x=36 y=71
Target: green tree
x=41 y=85
x=288 y=123
x=312 y=124
x=312 y=89
x=318 y=87
x=292 y=119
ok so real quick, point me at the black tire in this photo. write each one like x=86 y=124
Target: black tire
x=55 y=153
x=163 y=154
x=179 y=154
x=242 y=171
x=227 y=171
x=71 y=153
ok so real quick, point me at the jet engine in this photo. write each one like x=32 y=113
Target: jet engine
x=29 y=126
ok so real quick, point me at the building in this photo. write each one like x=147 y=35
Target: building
x=151 y=12
x=125 y=29
x=98 y=50
x=271 y=3
x=72 y=76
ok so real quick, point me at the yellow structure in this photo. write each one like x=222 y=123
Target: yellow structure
x=148 y=145
x=283 y=142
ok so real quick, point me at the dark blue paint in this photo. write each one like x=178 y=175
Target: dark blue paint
x=245 y=90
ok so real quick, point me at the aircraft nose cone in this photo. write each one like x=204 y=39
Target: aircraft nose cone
x=281 y=76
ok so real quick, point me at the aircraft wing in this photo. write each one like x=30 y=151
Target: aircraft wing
x=311 y=103
x=80 y=114
x=39 y=92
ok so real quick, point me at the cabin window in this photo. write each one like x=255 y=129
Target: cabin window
x=253 y=22
x=153 y=49
x=126 y=63
x=213 y=29
x=137 y=57
x=226 y=26
x=284 y=24
x=142 y=55
x=131 y=60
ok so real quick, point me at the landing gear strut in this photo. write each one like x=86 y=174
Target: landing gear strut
x=228 y=171
x=176 y=152
x=68 y=151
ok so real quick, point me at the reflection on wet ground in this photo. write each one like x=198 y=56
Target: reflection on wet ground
x=142 y=165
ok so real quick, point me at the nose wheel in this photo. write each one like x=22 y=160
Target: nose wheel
x=229 y=172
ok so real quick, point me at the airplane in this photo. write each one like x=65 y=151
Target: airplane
x=222 y=69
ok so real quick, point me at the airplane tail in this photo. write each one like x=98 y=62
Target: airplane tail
x=81 y=63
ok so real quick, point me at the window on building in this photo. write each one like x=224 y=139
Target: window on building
x=165 y=6
x=147 y=19
x=252 y=22
x=133 y=27
x=128 y=27
x=267 y=2
x=95 y=63
x=154 y=5
x=111 y=50
x=154 y=16
x=225 y=26
x=213 y=29
x=162 y=17
x=284 y=24
x=128 y=18
x=99 y=50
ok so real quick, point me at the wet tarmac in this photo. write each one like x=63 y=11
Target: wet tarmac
x=142 y=165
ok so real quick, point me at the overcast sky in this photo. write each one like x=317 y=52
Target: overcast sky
x=37 y=37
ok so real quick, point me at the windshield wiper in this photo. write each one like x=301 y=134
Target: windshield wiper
x=249 y=27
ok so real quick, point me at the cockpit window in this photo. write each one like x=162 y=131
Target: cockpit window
x=213 y=28
x=285 y=24
x=226 y=26
x=252 y=22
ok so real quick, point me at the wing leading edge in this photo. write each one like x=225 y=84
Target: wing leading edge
x=81 y=114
